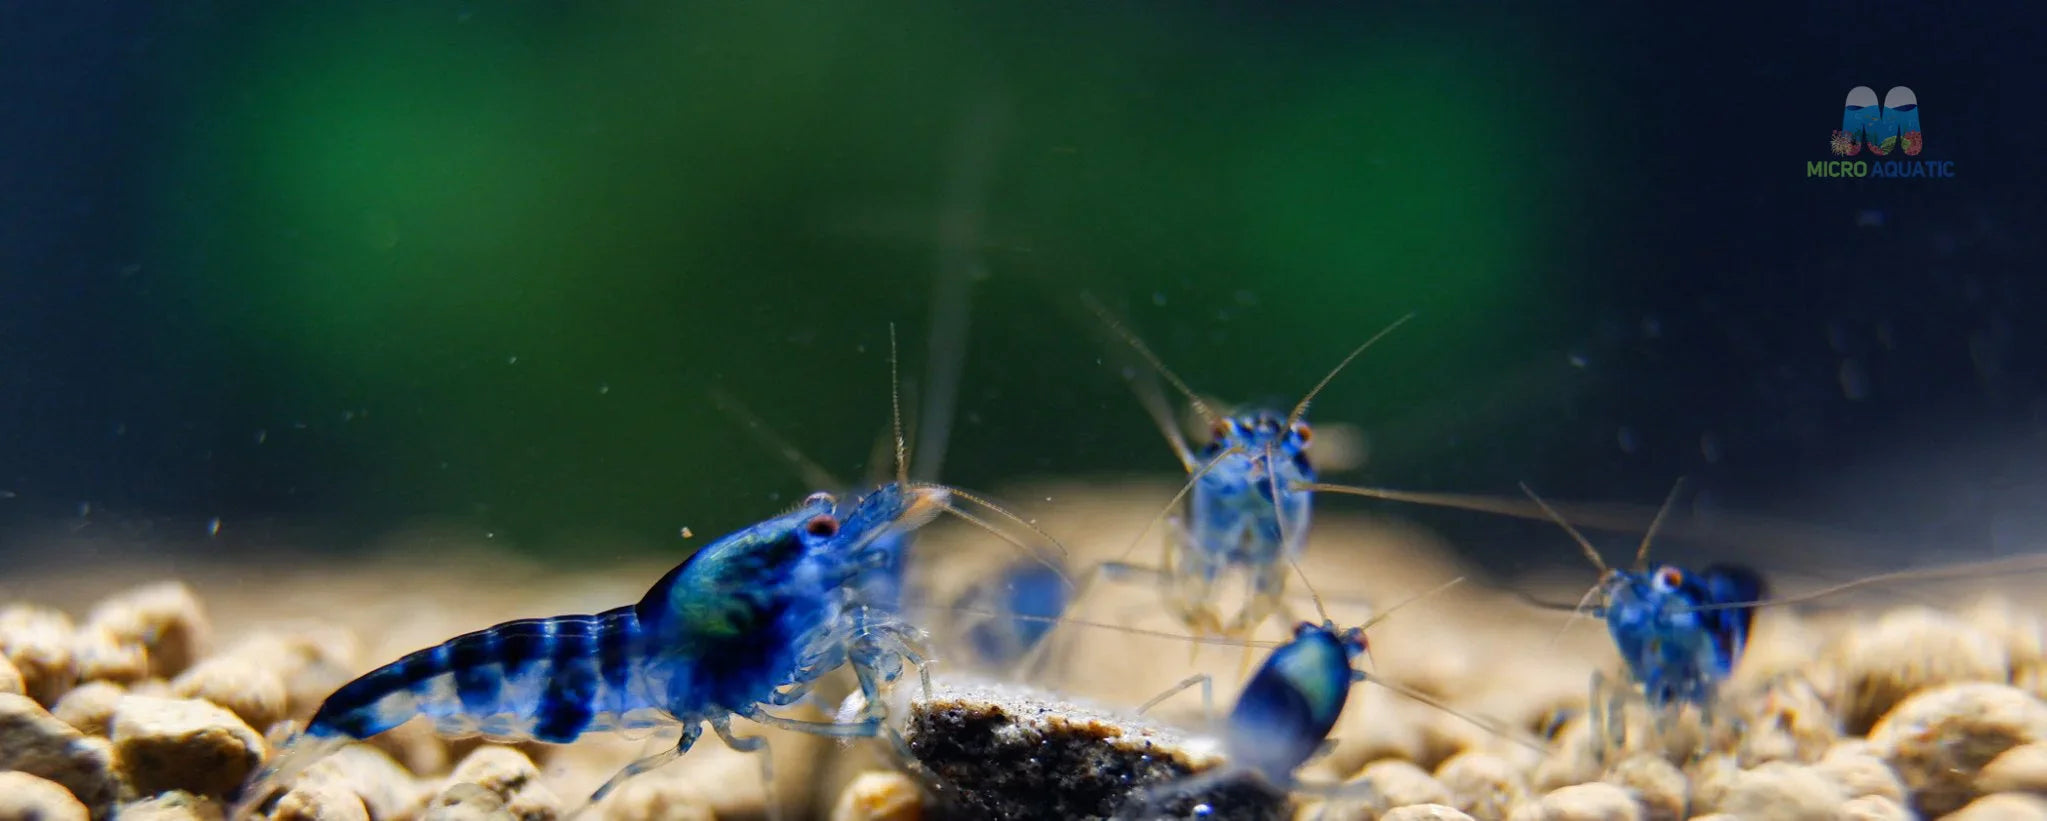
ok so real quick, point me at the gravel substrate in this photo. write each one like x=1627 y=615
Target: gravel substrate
x=137 y=703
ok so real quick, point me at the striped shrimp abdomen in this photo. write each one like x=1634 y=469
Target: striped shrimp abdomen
x=550 y=680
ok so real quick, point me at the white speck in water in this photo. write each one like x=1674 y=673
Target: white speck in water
x=489 y=534
x=6 y=494
x=512 y=360
x=213 y=526
x=1578 y=361
x=84 y=509
x=603 y=387
x=262 y=435
x=1709 y=446
x=348 y=416
x=1626 y=437
x=685 y=532
x=1854 y=380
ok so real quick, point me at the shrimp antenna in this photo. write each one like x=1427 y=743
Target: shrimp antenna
x=1485 y=724
x=1003 y=512
x=2016 y=564
x=1301 y=409
x=1192 y=479
x=1410 y=600
x=1279 y=517
x=813 y=473
x=1310 y=587
x=1030 y=659
x=1460 y=501
x=1583 y=544
x=1208 y=414
x=895 y=400
x=1642 y=552
x=1220 y=641
x=1590 y=553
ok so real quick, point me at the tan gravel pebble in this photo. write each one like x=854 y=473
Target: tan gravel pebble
x=1662 y=790
x=880 y=796
x=37 y=640
x=1482 y=784
x=503 y=773
x=1781 y=791
x=24 y=797
x=35 y=742
x=1873 y=808
x=320 y=801
x=311 y=661
x=2020 y=630
x=10 y=678
x=1858 y=771
x=251 y=691
x=164 y=618
x=656 y=799
x=2019 y=769
x=1399 y=783
x=1939 y=739
x=2009 y=806
x=1571 y=759
x=1787 y=720
x=90 y=706
x=1711 y=778
x=97 y=654
x=1595 y=801
x=182 y=744
x=1425 y=812
x=176 y=805
x=386 y=789
x=1906 y=651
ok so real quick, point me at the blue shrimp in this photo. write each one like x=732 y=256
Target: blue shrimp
x=1247 y=502
x=1022 y=602
x=1283 y=716
x=1680 y=633
x=739 y=626
x=753 y=620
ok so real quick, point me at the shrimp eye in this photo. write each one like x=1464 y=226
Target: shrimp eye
x=1303 y=433
x=823 y=527
x=1669 y=578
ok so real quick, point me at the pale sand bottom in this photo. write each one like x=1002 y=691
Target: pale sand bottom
x=1472 y=646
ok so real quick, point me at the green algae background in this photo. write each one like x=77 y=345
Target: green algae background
x=488 y=261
